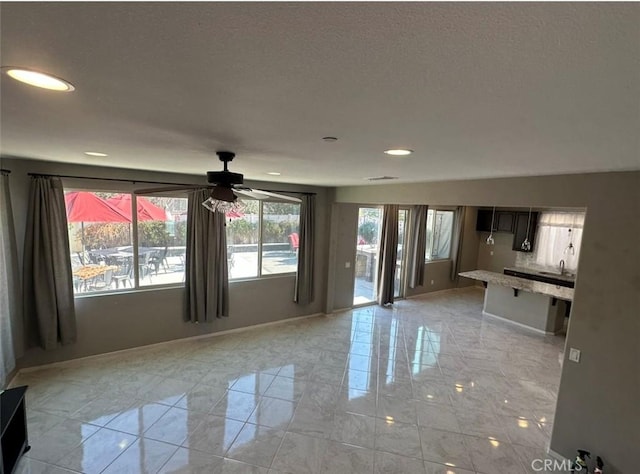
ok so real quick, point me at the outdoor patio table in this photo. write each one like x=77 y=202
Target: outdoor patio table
x=89 y=272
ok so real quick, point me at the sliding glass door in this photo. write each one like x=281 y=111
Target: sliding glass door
x=367 y=247
x=399 y=283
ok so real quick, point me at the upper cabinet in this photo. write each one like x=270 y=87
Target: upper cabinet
x=504 y=221
x=522 y=222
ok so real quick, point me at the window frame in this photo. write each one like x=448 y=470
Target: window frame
x=134 y=235
x=437 y=209
x=259 y=275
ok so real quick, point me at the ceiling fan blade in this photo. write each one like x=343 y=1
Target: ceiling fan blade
x=166 y=189
x=260 y=194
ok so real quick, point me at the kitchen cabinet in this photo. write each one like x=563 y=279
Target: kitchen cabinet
x=504 y=221
x=520 y=230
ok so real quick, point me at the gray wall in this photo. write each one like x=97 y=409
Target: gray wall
x=502 y=256
x=346 y=236
x=598 y=399
x=112 y=322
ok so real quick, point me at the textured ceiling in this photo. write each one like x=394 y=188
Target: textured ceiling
x=476 y=89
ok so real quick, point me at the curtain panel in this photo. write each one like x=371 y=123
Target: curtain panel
x=388 y=254
x=304 y=275
x=11 y=336
x=456 y=245
x=206 y=272
x=417 y=245
x=48 y=282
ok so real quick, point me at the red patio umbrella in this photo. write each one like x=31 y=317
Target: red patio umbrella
x=83 y=206
x=147 y=211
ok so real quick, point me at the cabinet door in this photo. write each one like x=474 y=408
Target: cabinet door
x=505 y=221
x=483 y=222
x=520 y=232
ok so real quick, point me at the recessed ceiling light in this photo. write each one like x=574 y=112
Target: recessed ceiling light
x=39 y=79
x=274 y=173
x=398 y=152
x=95 y=153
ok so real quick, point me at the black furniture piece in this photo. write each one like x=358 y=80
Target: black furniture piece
x=13 y=422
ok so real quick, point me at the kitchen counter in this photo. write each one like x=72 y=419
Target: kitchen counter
x=516 y=283
x=558 y=276
x=528 y=303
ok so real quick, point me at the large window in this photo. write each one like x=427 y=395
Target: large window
x=558 y=238
x=101 y=240
x=439 y=234
x=262 y=239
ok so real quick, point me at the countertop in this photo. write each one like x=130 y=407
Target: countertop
x=543 y=273
x=523 y=284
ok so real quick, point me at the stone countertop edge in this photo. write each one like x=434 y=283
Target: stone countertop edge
x=530 y=271
x=523 y=284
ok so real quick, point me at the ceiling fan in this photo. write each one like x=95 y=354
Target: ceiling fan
x=226 y=187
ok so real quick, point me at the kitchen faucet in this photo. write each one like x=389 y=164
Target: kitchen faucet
x=561 y=267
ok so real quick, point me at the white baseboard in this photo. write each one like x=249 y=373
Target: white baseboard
x=64 y=363
x=515 y=323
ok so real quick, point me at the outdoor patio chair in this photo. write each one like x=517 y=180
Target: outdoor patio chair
x=157 y=258
x=294 y=241
x=124 y=273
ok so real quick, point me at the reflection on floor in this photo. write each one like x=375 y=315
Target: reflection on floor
x=427 y=386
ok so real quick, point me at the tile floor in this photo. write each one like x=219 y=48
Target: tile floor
x=428 y=386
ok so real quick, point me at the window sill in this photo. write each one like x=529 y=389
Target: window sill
x=437 y=260
x=126 y=291
x=263 y=277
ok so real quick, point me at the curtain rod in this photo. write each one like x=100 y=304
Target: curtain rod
x=135 y=181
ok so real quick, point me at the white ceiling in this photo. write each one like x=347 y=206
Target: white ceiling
x=476 y=89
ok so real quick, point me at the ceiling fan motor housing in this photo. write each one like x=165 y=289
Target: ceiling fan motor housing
x=224 y=178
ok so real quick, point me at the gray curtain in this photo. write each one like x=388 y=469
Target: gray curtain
x=456 y=244
x=11 y=338
x=304 y=276
x=388 y=253
x=48 y=283
x=417 y=244
x=206 y=279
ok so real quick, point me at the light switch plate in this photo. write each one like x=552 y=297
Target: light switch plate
x=574 y=355
x=347 y=264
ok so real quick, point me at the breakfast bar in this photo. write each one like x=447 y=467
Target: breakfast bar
x=532 y=304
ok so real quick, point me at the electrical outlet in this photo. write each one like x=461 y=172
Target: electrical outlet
x=347 y=264
x=574 y=355
x=432 y=282
x=491 y=253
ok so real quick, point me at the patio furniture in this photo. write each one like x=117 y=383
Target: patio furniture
x=124 y=273
x=157 y=258
x=294 y=241
x=102 y=281
x=85 y=276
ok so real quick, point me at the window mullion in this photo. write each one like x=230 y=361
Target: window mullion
x=134 y=225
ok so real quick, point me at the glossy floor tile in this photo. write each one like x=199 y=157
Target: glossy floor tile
x=428 y=386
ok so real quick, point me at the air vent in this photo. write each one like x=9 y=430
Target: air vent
x=381 y=178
